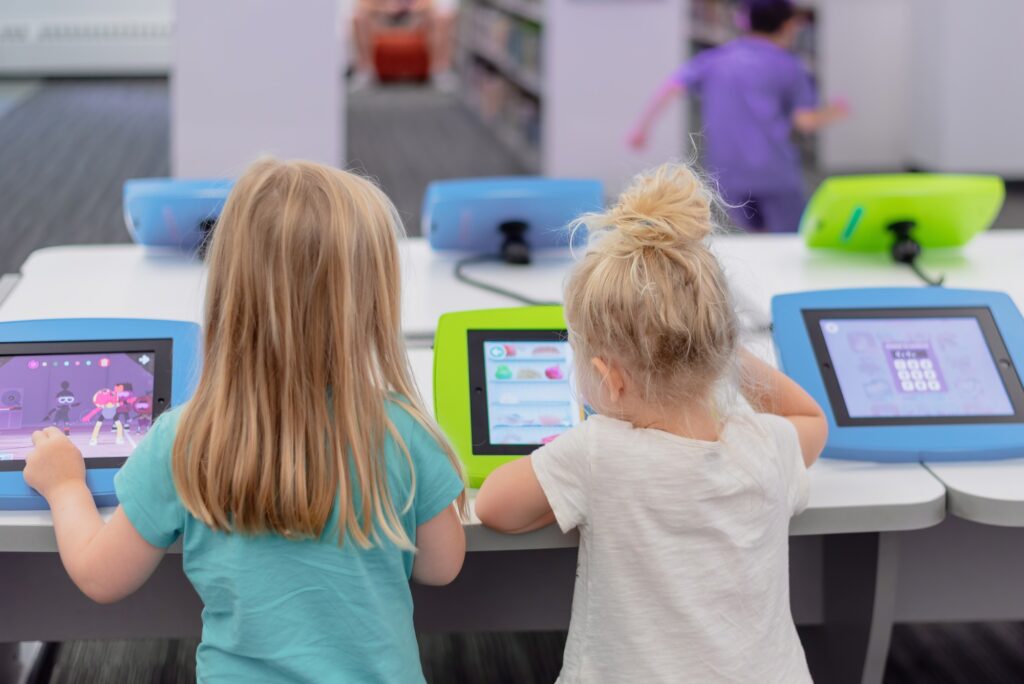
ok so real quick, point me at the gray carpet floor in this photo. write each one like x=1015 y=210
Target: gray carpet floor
x=65 y=151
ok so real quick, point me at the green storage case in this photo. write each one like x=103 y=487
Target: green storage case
x=856 y=213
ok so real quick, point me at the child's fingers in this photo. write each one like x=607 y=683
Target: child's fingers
x=38 y=437
x=53 y=433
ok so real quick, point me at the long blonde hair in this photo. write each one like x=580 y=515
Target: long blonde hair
x=303 y=348
x=649 y=293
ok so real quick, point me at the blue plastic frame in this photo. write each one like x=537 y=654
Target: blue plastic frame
x=898 y=443
x=465 y=214
x=186 y=360
x=169 y=212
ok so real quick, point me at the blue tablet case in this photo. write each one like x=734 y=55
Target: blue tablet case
x=186 y=360
x=934 y=442
x=173 y=213
x=467 y=214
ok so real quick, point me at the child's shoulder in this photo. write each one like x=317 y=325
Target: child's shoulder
x=765 y=428
x=166 y=425
x=400 y=412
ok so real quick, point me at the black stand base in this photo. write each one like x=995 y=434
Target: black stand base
x=906 y=250
x=515 y=249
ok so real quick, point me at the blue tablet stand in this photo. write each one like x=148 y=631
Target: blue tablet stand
x=185 y=360
x=173 y=213
x=934 y=441
x=506 y=216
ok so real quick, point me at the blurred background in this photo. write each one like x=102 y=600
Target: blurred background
x=410 y=91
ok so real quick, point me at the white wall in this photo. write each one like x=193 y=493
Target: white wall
x=864 y=53
x=603 y=60
x=78 y=37
x=254 y=77
x=968 y=107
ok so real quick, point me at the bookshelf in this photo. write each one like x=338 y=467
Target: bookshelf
x=500 y=43
x=560 y=82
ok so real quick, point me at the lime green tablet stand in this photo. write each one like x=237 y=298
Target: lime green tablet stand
x=862 y=213
x=901 y=213
x=452 y=386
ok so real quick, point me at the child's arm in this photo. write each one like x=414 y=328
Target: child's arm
x=107 y=561
x=770 y=391
x=666 y=93
x=812 y=120
x=511 y=499
x=440 y=549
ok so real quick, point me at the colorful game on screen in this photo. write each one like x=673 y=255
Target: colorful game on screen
x=102 y=402
x=530 y=399
x=922 y=367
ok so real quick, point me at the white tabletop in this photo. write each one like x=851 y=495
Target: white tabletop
x=106 y=281
x=59 y=281
x=847 y=497
x=989 y=492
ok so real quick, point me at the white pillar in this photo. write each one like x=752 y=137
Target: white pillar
x=603 y=61
x=254 y=77
x=968 y=92
x=864 y=52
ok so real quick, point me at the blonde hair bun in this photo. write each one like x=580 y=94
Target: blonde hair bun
x=650 y=294
x=668 y=207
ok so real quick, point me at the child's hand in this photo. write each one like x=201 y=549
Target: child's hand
x=637 y=139
x=839 y=108
x=54 y=462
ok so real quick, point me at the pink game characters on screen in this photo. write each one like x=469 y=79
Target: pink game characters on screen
x=106 y=403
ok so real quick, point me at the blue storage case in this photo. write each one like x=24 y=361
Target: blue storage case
x=468 y=214
x=93 y=376
x=173 y=213
x=908 y=374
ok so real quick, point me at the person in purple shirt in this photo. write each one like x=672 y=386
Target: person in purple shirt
x=754 y=91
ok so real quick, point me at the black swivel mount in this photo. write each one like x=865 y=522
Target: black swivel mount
x=206 y=227
x=515 y=249
x=906 y=249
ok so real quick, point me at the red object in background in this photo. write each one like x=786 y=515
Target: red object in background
x=400 y=53
x=104 y=362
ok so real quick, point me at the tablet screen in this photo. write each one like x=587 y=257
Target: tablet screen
x=522 y=395
x=899 y=366
x=103 y=396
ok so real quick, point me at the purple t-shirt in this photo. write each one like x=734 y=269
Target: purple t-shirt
x=749 y=89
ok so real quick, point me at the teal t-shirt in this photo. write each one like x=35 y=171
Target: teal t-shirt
x=278 y=610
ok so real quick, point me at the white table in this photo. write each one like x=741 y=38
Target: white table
x=845 y=546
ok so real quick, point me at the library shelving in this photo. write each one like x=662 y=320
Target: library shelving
x=561 y=82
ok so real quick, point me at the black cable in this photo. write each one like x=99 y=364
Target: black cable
x=932 y=282
x=461 y=276
x=906 y=249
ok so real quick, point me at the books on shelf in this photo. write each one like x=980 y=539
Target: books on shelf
x=502 y=72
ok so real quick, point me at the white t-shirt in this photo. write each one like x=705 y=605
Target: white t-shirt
x=683 y=571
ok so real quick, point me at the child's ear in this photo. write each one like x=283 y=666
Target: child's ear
x=612 y=380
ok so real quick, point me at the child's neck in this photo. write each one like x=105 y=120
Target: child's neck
x=692 y=421
x=777 y=39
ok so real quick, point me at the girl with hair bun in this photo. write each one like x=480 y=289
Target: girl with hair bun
x=682 y=492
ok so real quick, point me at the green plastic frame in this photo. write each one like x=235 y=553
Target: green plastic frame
x=451 y=374
x=854 y=213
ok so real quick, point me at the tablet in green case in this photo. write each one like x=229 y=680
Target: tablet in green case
x=503 y=384
x=859 y=213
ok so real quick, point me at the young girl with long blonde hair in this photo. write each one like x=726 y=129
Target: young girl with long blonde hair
x=304 y=477
x=682 y=497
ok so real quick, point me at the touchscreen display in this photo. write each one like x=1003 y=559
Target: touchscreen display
x=529 y=395
x=103 y=401
x=915 y=367
x=523 y=394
